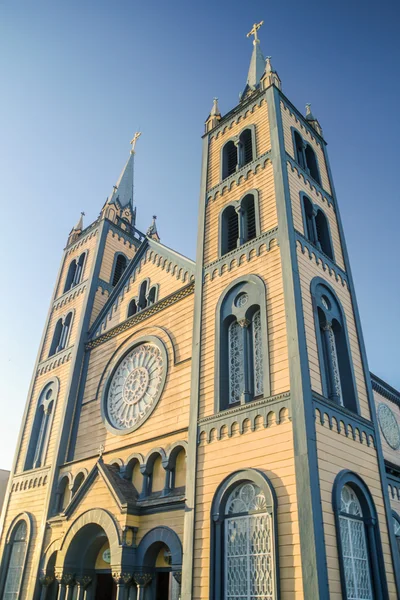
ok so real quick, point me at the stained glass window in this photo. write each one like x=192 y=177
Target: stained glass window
x=249 y=560
x=257 y=354
x=354 y=547
x=16 y=562
x=236 y=362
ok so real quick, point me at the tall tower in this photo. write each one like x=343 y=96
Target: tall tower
x=285 y=467
x=91 y=265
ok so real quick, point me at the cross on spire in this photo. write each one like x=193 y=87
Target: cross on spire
x=253 y=31
x=134 y=140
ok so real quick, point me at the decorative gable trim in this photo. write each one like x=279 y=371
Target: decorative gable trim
x=236 y=115
x=309 y=181
x=241 y=175
x=85 y=236
x=301 y=121
x=55 y=361
x=69 y=295
x=320 y=257
x=385 y=390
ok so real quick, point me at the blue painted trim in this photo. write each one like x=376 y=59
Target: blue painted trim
x=352 y=422
x=313 y=184
x=373 y=538
x=322 y=258
x=27 y=518
x=367 y=378
x=116 y=255
x=312 y=542
x=316 y=208
x=385 y=390
x=235 y=139
x=241 y=173
x=319 y=138
x=305 y=144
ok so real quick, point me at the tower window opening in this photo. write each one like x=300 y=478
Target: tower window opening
x=299 y=149
x=309 y=217
x=120 y=266
x=132 y=308
x=230 y=159
x=79 y=269
x=245 y=147
x=230 y=229
x=311 y=163
x=142 y=304
x=151 y=296
x=61 y=333
x=324 y=238
x=69 y=281
x=248 y=218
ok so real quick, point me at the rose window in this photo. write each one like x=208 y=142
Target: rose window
x=135 y=386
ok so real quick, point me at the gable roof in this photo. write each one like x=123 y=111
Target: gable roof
x=163 y=256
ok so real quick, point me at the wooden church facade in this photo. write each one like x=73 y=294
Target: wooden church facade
x=210 y=429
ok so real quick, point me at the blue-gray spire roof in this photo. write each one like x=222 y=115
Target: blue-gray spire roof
x=123 y=190
x=257 y=62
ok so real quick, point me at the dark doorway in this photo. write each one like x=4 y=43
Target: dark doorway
x=162 y=586
x=105 y=587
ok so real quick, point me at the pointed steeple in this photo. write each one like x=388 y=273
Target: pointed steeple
x=257 y=62
x=76 y=230
x=152 y=230
x=123 y=190
x=214 y=117
x=270 y=76
x=312 y=120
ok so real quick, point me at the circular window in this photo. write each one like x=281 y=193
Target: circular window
x=241 y=299
x=326 y=302
x=389 y=426
x=135 y=387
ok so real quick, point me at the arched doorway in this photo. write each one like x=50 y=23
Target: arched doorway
x=160 y=555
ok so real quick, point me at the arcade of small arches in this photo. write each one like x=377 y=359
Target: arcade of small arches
x=147 y=295
x=161 y=473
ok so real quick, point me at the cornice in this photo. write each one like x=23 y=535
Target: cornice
x=302 y=121
x=69 y=295
x=320 y=257
x=241 y=174
x=105 y=286
x=142 y=316
x=385 y=390
x=54 y=361
x=313 y=185
x=228 y=260
x=236 y=114
x=86 y=235
x=134 y=239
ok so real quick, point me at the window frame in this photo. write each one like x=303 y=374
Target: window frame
x=235 y=139
x=26 y=517
x=31 y=451
x=116 y=255
x=372 y=533
x=237 y=205
x=316 y=207
x=306 y=169
x=221 y=496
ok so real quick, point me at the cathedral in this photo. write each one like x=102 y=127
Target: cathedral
x=210 y=429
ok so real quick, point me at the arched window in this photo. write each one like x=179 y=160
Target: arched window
x=143 y=295
x=333 y=348
x=69 y=281
x=309 y=221
x=248 y=214
x=132 y=308
x=79 y=479
x=323 y=235
x=61 y=334
x=359 y=545
x=63 y=494
x=244 y=538
x=396 y=528
x=119 y=268
x=245 y=147
x=151 y=298
x=242 y=345
x=229 y=159
x=229 y=229
x=299 y=149
x=79 y=269
x=311 y=163
x=14 y=560
x=41 y=426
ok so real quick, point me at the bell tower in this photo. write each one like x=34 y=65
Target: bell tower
x=282 y=417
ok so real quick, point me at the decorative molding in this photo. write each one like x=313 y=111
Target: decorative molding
x=307 y=179
x=272 y=410
x=385 y=390
x=265 y=239
x=143 y=315
x=33 y=479
x=320 y=257
x=342 y=420
x=69 y=295
x=85 y=236
x=134 y=239
x=105 y=286
x=234 y=116
x=301 y=121
x=55 y=361
x=236 y=178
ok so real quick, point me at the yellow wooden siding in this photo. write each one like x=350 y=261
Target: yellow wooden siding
x=100 y=298
x=165 y=276
x=335 y=453
x=297 y=185
x=158 y=476
x=173 y=520
x=389 y=454
x=258 y=118
x=87 y=244
x=270 y=450
x=180 y=469
x=268 y=267
x=263 y=181
x=114 y=244
x=308 y=269
x=289 y=120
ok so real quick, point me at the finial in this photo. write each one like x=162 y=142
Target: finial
x=101 y=450
x=308 y=108
x=253 y=31
x=215 y=110
x=268 y=66
x=134 y=140
x=152 y=230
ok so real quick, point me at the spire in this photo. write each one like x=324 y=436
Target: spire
x=76 y=230
x=214 y=117
x=270 y=76
x=312 y=120
x=257 y=62
x=123 y=190
x=152 y=230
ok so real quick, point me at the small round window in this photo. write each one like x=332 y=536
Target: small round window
x=241 y=300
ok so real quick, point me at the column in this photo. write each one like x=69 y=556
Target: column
x=167 y=484
x=176 y=593
x=83 y=583
x=145 y=485
x=70 y=583
x=122 y=580
x=45 y=581
x=141 y=580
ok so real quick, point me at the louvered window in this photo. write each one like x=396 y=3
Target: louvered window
x=311 y=163
x=230 y=159
x=249 y=218
x=323 y=235
x=299 y=150
x=120 y=266
x=233 y=230
x=246 y=147
x=309 y=226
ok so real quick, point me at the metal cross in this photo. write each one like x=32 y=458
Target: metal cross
x=134 y=140
x=101 y=450
x=254 y=30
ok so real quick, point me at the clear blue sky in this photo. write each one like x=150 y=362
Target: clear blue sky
x=79 y=77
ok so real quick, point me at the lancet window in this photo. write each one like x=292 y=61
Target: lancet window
x=74 y=273
x=61 y=334
x=305 y=156
x=146 y=297
x=14 y=560
x=39 y=438
x=239 y=223
x=333 y=346
x=242 y=345
x=119 y=267
x=316 y=227
x=238 y=152
x=243 y=539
